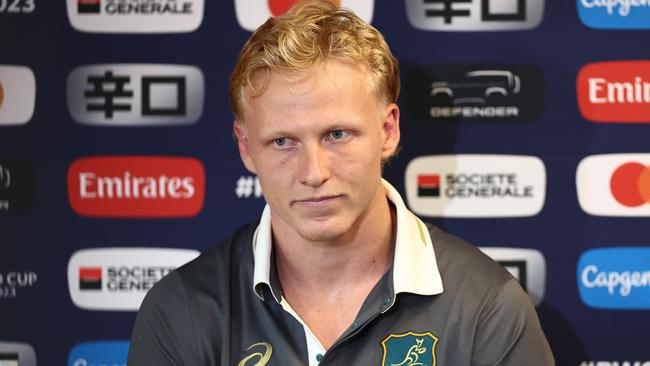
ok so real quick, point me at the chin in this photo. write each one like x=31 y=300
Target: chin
x=323 y=231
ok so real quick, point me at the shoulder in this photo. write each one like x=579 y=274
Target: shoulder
x=470 y=276
x=208 y=274
x=459 y=260
x=215 y=259
x=190 y=306
x=507 y=331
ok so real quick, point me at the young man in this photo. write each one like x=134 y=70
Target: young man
x=337 y=271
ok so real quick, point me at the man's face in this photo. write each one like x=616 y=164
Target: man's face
x=317 y=141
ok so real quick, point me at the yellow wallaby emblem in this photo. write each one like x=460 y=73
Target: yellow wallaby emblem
x=409 y=349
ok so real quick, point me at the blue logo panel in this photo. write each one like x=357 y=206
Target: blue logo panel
x=615 y=278
x=614 y=14
x=99 y=353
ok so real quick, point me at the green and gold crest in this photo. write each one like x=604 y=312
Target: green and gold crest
x=409 y=349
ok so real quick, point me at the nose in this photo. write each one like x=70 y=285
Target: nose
x=316 y=166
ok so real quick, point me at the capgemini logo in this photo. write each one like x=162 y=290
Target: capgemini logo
x=615 y=278
x=614 y=14
x=99 y=353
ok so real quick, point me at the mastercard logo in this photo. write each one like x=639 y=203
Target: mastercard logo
x=279 y=7
x=630 y=184
x=253 y=13
x=614 y=184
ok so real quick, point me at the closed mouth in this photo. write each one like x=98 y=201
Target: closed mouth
x=317 y=199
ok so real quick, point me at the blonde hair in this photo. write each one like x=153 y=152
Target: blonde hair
x=307 y=36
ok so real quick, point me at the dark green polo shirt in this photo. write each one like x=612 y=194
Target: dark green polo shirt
x=443 y=302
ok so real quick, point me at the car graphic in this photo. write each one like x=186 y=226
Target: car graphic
x=478 y=87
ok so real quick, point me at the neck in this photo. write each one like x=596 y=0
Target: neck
x=364 y=253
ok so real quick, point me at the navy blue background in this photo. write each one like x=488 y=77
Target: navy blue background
x=43 y=240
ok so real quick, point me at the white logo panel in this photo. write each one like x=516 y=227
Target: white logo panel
x=606 y=188
x=17 y=95
x=135 y=16
x=475 y=15
x=136 y=94
x=119 y=278
x=253 y=13
x=476 y=185
x=526 y=265
x=18 y=354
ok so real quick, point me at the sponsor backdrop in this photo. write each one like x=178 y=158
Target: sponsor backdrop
x=525 y=124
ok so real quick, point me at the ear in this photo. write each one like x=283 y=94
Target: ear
x=241 y=134
x=390 y=131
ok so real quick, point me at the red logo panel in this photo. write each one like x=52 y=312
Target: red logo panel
x=614 y=92
x=136 y=186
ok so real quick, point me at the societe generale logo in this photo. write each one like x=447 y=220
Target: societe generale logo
x=119 y=278
x=476 y=185
x=136 y=186
x=526 y=265
x=253 y=13
x=615 y=92
x=17 y=95
x=614 y=184
x=135 y=16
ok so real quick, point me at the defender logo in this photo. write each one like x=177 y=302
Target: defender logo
x=409 y=349
x=474 y=15
x=483 y=92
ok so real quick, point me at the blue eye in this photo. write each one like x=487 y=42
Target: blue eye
x=282 y=141
x=338 y=134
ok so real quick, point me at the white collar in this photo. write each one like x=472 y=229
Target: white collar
x=415 y=269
